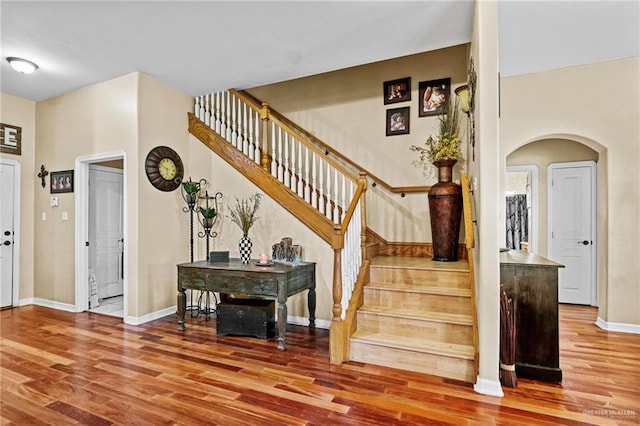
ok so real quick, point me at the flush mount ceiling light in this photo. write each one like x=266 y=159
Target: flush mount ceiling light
x=22 y=65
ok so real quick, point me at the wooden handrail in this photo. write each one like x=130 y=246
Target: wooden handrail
x=469 y=240
x=288 y=124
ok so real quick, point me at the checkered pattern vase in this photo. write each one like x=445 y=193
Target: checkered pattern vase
x=245 y=246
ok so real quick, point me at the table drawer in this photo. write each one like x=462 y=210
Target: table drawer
x=261 y=286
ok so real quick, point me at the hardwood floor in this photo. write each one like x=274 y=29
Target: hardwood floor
x=60 y=368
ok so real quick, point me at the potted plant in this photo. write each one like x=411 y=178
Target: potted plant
x=243 y=214
x=190 y=191
x=208 y=216
x=445 y=197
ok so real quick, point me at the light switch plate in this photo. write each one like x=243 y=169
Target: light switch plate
x=53 y=202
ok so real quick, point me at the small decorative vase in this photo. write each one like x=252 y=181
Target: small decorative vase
x=445 y=211
x=245 y=246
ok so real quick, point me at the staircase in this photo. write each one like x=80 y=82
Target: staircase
x=417 y=316
x=392 y=305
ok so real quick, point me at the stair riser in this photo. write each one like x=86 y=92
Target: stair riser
x=415 y=328
x=454 y=279
x=436 y=365
x=422 y=301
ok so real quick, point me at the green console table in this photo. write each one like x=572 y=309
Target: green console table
x=275 y=282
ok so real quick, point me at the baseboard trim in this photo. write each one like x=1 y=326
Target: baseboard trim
x=151 y=316
x=171 y=310
x=618 y=326
x=488 y=387
x=304 y=321
x=48 y=304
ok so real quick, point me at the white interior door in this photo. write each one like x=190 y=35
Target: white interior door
x=105 y=229
x=572 y=226
x=6 y=238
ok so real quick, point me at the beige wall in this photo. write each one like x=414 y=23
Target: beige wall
x=542 y=154
x=22 y=113
x=163 y=229
x=612 y=129
x=132 y=114
x=345 y=109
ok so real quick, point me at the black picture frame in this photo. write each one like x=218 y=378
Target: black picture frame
x=61 y=182
x=433 y=96
x=395 y=91
x=398 y=121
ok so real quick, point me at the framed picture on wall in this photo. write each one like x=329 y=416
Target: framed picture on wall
x=397 y=90
x=433 y=96
x=61 y=182
x=398 y=121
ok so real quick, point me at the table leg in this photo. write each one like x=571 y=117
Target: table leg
x=182 y=307
x=282 y=324
x=311 y=302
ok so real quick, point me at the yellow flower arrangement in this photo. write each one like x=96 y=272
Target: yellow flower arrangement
x=445 y=146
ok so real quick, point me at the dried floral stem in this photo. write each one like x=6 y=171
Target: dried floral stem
x=243 y=213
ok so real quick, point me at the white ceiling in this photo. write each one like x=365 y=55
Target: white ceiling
x=202 y=46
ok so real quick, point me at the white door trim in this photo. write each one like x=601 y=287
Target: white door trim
x=82 y=227
x=533 y=232
x=15 y=298
x=594 y=211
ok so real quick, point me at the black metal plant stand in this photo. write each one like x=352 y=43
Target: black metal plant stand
x=190 y=190
x=208 y=218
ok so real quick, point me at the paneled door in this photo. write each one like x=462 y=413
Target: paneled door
x=105 y=229
x=7 y=233
x=572 y=225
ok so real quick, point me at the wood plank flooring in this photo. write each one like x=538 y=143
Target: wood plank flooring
x=60 y=368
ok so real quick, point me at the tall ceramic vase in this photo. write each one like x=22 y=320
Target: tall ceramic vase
x=245 y=246
x=445 y=210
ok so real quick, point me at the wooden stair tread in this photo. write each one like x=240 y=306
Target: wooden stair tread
x=412 y=344
x=417 y=288
x=423 y=263
x=459 y=319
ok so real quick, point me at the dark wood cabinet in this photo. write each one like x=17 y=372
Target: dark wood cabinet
x=532 y=282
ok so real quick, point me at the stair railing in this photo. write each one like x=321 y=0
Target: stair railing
x=330 y=188
x=469 y=242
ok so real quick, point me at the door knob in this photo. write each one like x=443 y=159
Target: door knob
x=7 y=243
x=585 y=242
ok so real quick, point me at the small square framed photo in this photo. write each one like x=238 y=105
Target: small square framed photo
x=61 y=182
x=398 y=121
x=433 y=96
x=397 y=90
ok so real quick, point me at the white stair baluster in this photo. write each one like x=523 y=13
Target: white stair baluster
x=307 y=196
x=246 y=146
x=201 y=112
x=218 y=121
x=258 y=139
x=314 y=185
x=321 y=187
x=287 y=178
x=336 y=210
x=280 y=165
x=234 y=124
x=327 y=208
x=207 y=113
x=228 y=134
x=292 y=181
x=274 y=163
x=196 y=107
x=300 y=180
x=223 y=125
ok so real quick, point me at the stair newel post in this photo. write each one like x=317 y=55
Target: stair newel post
x=362 y=180
x=337 y=273
x=265 y=160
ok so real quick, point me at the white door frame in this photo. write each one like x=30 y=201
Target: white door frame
x=594 y=212
x=82 y=226
x=15 y=297
x=533 y=232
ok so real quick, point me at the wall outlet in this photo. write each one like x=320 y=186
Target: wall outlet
x=65 y=215
x=44 y=216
